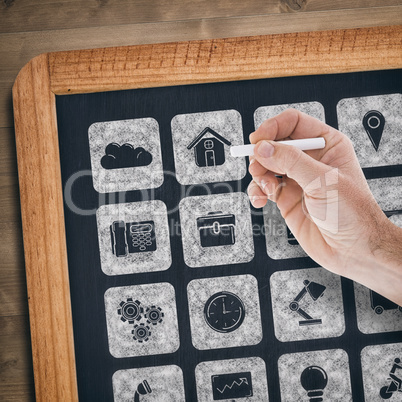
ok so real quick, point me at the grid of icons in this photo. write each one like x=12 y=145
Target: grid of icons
x=228 y=311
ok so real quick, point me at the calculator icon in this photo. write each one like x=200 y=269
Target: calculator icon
x=132 y=237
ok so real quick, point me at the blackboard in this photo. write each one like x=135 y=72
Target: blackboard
x=97 y=358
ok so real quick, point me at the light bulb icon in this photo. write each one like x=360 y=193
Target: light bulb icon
x=314 y=379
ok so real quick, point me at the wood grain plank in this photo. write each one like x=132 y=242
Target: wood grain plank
x=25 y=15
x=14 y=326
x=17 y=391
x=9 y=194
x=226 y=59
x=17 y=49
x=8 y=157
x=13 y=293
x=11 y=241
x=15 y=360
x=10 y=201
x=44 y=233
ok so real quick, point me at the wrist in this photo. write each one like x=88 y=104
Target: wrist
x=381 y=269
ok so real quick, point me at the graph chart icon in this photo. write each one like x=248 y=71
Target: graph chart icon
x=233 y=385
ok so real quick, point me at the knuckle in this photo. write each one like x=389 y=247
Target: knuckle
x=290 y=157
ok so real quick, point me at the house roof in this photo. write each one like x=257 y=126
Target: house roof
x=205 y=131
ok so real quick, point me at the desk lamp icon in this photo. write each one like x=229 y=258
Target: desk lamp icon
x=315 y=290
x=143 y=388
x=314 y=379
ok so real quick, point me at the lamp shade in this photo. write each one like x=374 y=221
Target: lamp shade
x=314 y=289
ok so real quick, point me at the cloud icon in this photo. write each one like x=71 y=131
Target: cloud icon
x=125 y=156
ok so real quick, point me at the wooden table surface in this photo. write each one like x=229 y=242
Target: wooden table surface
x=28 y=28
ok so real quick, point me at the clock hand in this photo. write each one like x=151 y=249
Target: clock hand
x=224 y=307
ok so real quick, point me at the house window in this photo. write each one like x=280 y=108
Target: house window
x=208 y=144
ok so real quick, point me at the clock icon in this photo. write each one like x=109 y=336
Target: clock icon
x=224 y=312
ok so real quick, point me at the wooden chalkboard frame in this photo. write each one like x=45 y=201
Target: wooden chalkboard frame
x=120 y=68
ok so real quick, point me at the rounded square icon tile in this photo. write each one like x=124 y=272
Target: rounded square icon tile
x=377 y=363
x=387 y=192
x=133 y=237
x=373 y=123
x=224 y=312
x=234 y=379
x=150 y=384
x=314 y=109
x=125 y=155
x=201 y=144
x=216 y=229
x=375 y=313
x=321 y=299
x=325 y=371
x=141 y=320
x=279 y=240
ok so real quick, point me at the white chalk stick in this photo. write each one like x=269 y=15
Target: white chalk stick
x=305 y=144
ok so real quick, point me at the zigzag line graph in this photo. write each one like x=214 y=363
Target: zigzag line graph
x=232 y=385
x=242 y=380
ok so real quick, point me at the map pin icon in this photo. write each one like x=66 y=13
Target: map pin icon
x=373 y=123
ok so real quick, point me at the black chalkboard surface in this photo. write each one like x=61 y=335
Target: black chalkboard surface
x=144 y=173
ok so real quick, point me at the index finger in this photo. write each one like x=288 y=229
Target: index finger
x=289 y=124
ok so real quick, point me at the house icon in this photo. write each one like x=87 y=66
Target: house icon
x=209 y=151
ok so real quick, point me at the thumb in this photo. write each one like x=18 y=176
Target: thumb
x=291 y=161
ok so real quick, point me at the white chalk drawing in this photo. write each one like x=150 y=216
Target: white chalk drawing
x=382 y=372
x=216 y=229
x=224 y=312
x=234 y=379
x=373 y=123
x=125 y=155
x=324 y=374
x=133 y=237
x=149 y=384
x=307 y=304
x=375 y=313
x=141 y=320
x=314 y=109
x=201 y=145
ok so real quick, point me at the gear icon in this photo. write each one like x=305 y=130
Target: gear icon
x=154 y=315
x=130 y=310
x=141 y=332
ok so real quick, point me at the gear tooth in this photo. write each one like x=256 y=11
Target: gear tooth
x=122 y=303
x=137 y=301
x=160 y=309
x=129 y=299
x=123 y=319
x=119 y=311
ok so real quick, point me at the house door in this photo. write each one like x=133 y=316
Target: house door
x=210 y=158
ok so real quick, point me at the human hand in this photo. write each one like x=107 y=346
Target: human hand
x=325 y=200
